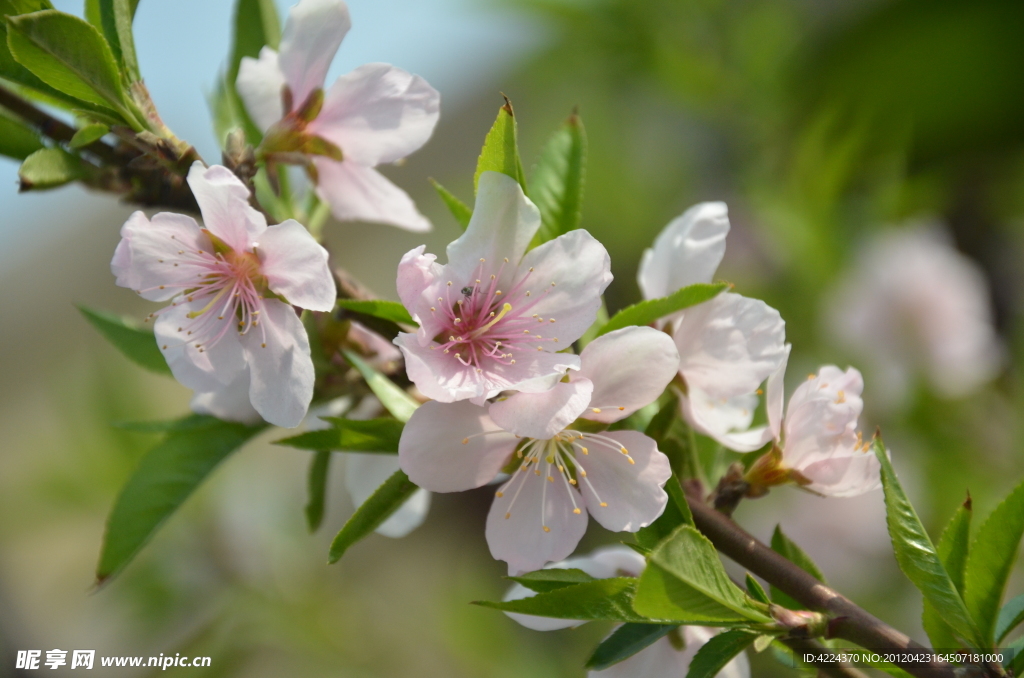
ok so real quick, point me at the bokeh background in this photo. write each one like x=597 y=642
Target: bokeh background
x=822 y=124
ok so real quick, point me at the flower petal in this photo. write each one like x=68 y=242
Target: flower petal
x=433 y=454
x=224 y=201
x=364 y=473
x=156 y=257
x=312 y=34
x=229 y=402
x=295 y=266
x=416 y=273
x=282 y=371
x=378 y=114
x=528 y=504
x=777 y=396
x=570 y=273
x=847 y=475
x=821 y=420
x=687 y=251
x=629 y=369
x=359 y=193
x=727 y=420
x=620 y=495
x=542 y=415
x=532 y=621
x=211 y=369
x=260 y=83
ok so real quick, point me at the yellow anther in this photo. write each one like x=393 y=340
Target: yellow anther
x=536 y=471
x=482 y=260
x=630 y=459
x=432 y=309
x=572 y=481
x=623 y=450
x=583 y=473
x=604 y=504
x=449 y=283
x=527 y=292
x=584 y=451
x=596 y=410
x=576 y=511
x=499 y=495
x=263 y=345
x=507 y=516
x=621 y=409
x=760 y=391
x=497 y=293
x=547 y=529
x=841 y=399
x=550 y=479
x=506 y=260
x=465 y=440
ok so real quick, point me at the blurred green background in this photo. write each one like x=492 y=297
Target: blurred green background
x=820 y=123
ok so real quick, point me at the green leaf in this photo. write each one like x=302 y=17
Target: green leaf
x=676 y=513
x=88 y=134
x=551 y=579
x=114 y=18
x=165 y=426
x=378 y=308
x=952 y=549
x=350 y=435
x=68 y=54
x=788 y=549
x=1010 y=617
x=317 y=484
x=164 y=479
x=917 y=557
x=137 y=344
x=385 y=500
x=626 y=641
x=557 y=181
x=990 y=562
x=1016 y=661
x=712 y=657
x=601 y=599
x=50 y=168
x=756 y=591
x=459 y=209
x=17 y=140
x=500 y=152
x=400 y=404
x=685 y=581
x=16 y=7
x=647 y=312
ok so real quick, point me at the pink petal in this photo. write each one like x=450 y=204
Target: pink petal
x=727 y=420
x=687 y=251
x=277 y=351
x=312 y=34
x=158 y=253
x=229 y=402
x=822 y=416
x=529 y=503
x=417 y=272
x=359 y=193
x=849 y=475
x=295 y=266
x=630 y=368
x=433 y=454
x=208 y=370
x=260 y=83
x=633 y=493
x=378 y=114
x=542 y=415
x=224 y=202
x=581 y=270
x=777 y=396
x=364 y=473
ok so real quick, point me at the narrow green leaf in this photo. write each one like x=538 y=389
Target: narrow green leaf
x=952 y=549
x=88 y=134
x=16 y=7
x=557 y=181
x=378 y=308
x=500 y=152
x=371 y=513
x=459 y=209
x=137 y=344
x=114 y=19
x=68 y=54
x=350 y=435
x=317 y=484
x=756 y=591
x=647 y=312
x=788 y=549
x=400 y=404
x=626 y=641
x=990 y=562
x=164 y=479
x=604 y=599
x=1015 y=660
x=917 y=556
x=1010 y=617
x=553 y=578
x=712 y=657
x=17 y=140
x=50 y=168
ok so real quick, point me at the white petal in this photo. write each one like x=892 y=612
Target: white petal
x=158 y=253
x=229 y=402
x=725 y=419
x=581 y=269
x=295 y=266
x=777 y=396
x=847 y=474
x=821 y=419
x=279 y=361
x=633 y=493
x=629 y=369
x=359 y=193
x=312 y=34
x=378 y=114
x=208 y=370
x=364 y=473
x=616 y=560
x=530 y=621
x=503 y=224
x=260 y=84
x=224 y=201
x=542 y=415
x=687 y=251
x=433 y=454
x=416 y=273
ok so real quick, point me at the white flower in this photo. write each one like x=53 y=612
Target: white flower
x=227 y=335
x=376 y=114
x=913 y=303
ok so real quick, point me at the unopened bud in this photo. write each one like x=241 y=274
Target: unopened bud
x=802 y=623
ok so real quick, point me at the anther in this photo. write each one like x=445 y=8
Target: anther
x=623 y=450
x=263 y=345
x=507 y=516
x=584 y=451
x=506 y=260
x=595 y=410
x=841 y=399
x=547 y=529
x=432 y=309
x=604 y=504
x=465 y=441
x=576 y=511
x=499 y=494
x=550 y=479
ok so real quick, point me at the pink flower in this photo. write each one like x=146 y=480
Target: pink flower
x=539 y=514
x=729 y=345
x=496 y=316
x=374 y=115
x=668 y=657
x=227 y=333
